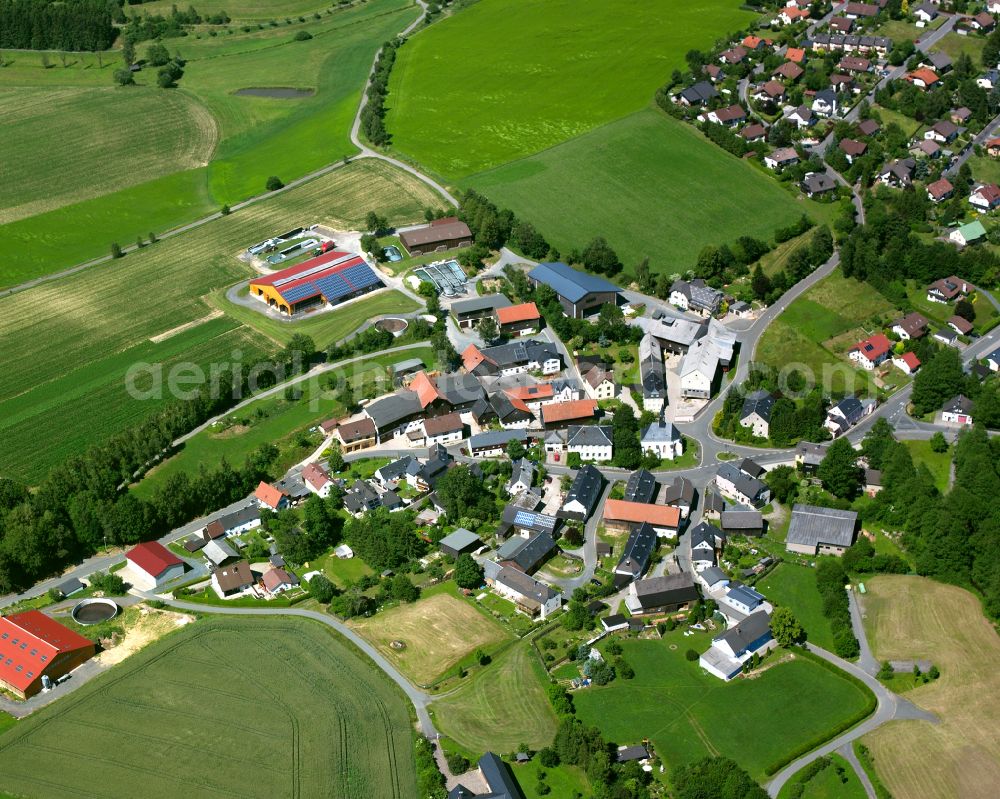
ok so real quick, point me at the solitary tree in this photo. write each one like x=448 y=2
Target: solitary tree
x=468 y=573
x=123 y=77
x=839 y=470
x=116 y=250
x=274 y=183
x=785 y=628
x=488 y=329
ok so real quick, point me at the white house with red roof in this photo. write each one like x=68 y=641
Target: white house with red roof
x=985 y=197
x=317 y=480
x=908 y=363
x=871 y=352
x=268 y=496
x=151 y=564
x=33 y=645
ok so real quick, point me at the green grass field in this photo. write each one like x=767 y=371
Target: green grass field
x=554 y=68
x=240 y=10
x=689 y=715
x=503 y=707
x=650 y=184
x=161 y=132
x=955 y=45
x=938 y=463
x=794 y=586
x=828 y=784
x=155 y=159
x=68 y=344
x=193 y=714
x=815 y=331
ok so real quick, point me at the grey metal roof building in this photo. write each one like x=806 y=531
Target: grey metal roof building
x=474 y=305
x=526 y=554
x=459 y=541
x=496 y=438
x=394 y=409
x=641 y=487
x=748 y=632
x=578 y=292
x=814 y=530
x=588 y=435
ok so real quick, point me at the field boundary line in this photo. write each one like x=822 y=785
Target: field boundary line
x=175 y=331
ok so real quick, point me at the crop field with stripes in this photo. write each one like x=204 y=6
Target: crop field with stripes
x=68 y=344
x=225 y=708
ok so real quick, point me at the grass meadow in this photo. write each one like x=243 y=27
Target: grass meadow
x=196 y=713
x=66 y=341
x=689 y=714
x=241 y=9
x=153 y=159
x=827 y=784
x=938 y=463
x=438 y=632
x=653 y=186
x=504 y=706
x=794 y=587
x=503 y=79
x=915 y=617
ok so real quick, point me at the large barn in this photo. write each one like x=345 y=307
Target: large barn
x=330 y=278
x=33 y=645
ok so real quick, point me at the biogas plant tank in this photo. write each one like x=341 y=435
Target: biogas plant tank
x=94 y=611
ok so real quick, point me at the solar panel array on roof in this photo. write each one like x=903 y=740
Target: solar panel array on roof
x=525 y=518
x=333 y=287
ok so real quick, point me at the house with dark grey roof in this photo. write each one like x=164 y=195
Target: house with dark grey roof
x=388 y=476
x=579 y=293
x=742 y=522
x=680 y=494
x=468 y=312
x=636 y=554
x=493 y=443
x=817 y=183
x=665 y=594
x=713 y=578
x=847 y=413
x=500 y=783
x=459 y=542
x=695 y=295
x=394 y=413
x=756 y=412
x=808 y=456
x=733 y=648
x=526 y=554
x=531 y=597
x=591 y=442
x=696 y=95
x=741 y=487
x=521 y=478
x=583 y=494
x=652 y=374
x=641 y=487
x=820 y=531
x=517 y=357
x=706 y=541
x=361 y=498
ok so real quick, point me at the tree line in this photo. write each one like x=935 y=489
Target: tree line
x=373 y=115
x=50 y=25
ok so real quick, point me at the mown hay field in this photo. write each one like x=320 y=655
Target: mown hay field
x=505 y=79
x=651 y=185
x=68 y=144
x=437 y=632
x=243 y=139
x=224 y=708
x=502 y=708
x=240 y=9
x=914 y=617
x=66 y=341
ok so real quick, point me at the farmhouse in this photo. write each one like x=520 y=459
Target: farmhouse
x=33 y=646
x=531 y=597
x=913 y=325
x=820 y=531
x=623 y=516
x=517 y=357
x=446 y=429
x=518 y=320
x=737 y=645
x=526 y=553
x=440 y=235
x=467 y=313
x=666 y=594
x=579 y=293
x=331 y=278
x=277 y=581
x=517 y=520
x=742 y=487
x=675 y=335
x=359 y=434
x=662 y=439
x=703 y=359
x=756 y=412
x=636 y=554
x=581 y=499
x=591 y=443
x=151 y=565
x=871 y=352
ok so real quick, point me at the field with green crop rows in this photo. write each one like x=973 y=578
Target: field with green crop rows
x=689 y=714
x=651 y=185
x=195 y=714
x=48 y=164
x=65 y=340
x=505 y=79
x=143 y=165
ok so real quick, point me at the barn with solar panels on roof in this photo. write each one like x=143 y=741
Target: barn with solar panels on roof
x=331 y=278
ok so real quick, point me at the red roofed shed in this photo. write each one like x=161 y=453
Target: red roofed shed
x=33 y=645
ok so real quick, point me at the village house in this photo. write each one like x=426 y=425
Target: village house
x=623 y=516
x=581 y=499
x=662 y=439
x=820 y=531
x=679 y=494
x=740 y=486
x=641 y=486
x=960 y=325
x=790 y=71
x=781 y=157
x=947 y=289
x=695 y=295
x=699 y=94
x=636 y=555
x=926 y=148
x=733 y=648
x=269 y=497
x=815 y=184
x=666 y=594
x=518 y=320
x=852 y=148
x=151 y=564
x=233 y=579
x=514 y=358
x=898 y=173
x=985 y=197
x=652 y=374
x=756 y=412
x=908 y=363
x=468 y=313
x=707 y=541
x=530 y=597
x=769 y=92
x=922 y=78
x=590 y=442
x=825 y=103
x=957 y=410
x=940 y=190
x=942 y=131
x=755 y=131
x=848 y=412
x=871 y=352
x=359 y=434
x=317 y=479
x=600 y=383
x=730 y=116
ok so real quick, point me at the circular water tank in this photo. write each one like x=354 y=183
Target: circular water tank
x=94 y=611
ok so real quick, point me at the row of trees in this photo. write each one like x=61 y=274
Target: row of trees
x=830 y=580
x=373 y=116
x=49 y=25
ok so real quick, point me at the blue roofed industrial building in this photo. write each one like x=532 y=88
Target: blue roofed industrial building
x=579 y=293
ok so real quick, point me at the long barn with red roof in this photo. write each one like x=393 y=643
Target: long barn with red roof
x=32 y=645
x=330 y=278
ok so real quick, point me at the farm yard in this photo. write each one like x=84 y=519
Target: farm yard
x=145 y=727
x=915 y=617
x=689 y=714
x=645 y=183
x=558 y=73
x=504 y=706
x=68 y=344
x=83 y=198
x=816 y=330
x=437 y=632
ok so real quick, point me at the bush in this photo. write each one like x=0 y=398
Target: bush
x=123 y=77
x=457 y=764
x=225 y=210
x=303 y=36
x=548 y=757
x=274 y=183
x=116 y=250
x=691 y=655
x=108 y=583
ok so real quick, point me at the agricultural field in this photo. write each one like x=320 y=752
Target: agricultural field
x=794 y=587
x=689 y=714
x=557 y=71
x=68 y=344
x=162 y=132
x=186 y=151
x=647 y=183
x=814 y=333
x=504 y=706
x=915 y=617
x=437 y=631
x=273 y=420
x=142 y=728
